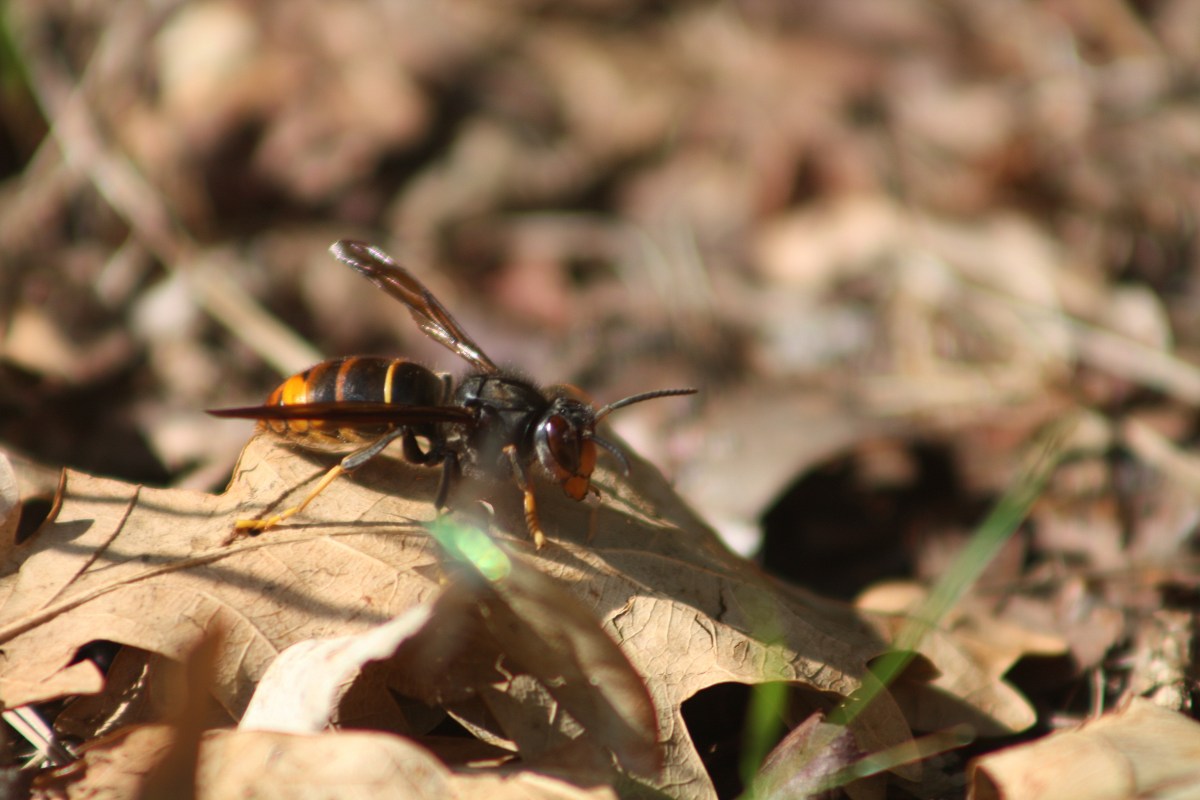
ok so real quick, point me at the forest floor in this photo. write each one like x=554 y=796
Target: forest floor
x=934 y=269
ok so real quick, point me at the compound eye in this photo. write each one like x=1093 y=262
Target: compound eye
x=564 y=444
x=573 y=456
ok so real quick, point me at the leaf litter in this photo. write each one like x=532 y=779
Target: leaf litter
x=892 y=241
x=156 y=570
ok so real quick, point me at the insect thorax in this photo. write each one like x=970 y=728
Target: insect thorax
x=507 y=409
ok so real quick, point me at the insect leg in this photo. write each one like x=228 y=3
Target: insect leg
x=275 y=519
x=449 y=472
x=348 y=464
x=359 y=457
x=522 y=479
x=413 y=453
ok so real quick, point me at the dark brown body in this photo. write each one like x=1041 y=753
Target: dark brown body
x=494 y=425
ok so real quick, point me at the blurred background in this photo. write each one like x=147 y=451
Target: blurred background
x=889 y=240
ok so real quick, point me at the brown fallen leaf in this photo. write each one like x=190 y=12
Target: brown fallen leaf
x=155 y=569
x=10 y=505
x=1138 y=751
x=1160 y=662
x=522 y=617
x=547 y=633
x=802 y=764
x=818 y=756
x=279 y=765
x=300 y=691
x=174 y=773
x=972 y=650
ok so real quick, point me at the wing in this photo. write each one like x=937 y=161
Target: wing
x=350 y=413
x=431 y=316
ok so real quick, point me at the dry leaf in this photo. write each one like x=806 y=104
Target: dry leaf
x=154 y=569
x=299 y=692
x=545 y=632
x=10 y=506
x=1139 y=751
x=971 y=652
x=805 y=761
x=1160 y=665
x=116 y=766
x=277 y=765
x=523 y=637
x=353 y=764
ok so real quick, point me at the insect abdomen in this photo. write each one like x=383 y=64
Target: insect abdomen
x=354 y=379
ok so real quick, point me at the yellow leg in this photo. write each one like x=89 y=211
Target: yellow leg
x=523 y=483
x=272 y=521
x=531 y=520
